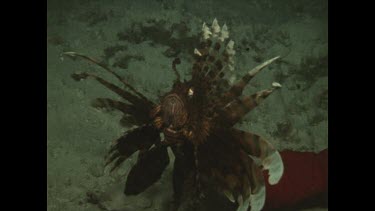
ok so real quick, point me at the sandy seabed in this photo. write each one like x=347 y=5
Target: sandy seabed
x=133 y=37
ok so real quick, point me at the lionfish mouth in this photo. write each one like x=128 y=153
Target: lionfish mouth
x=172 y=136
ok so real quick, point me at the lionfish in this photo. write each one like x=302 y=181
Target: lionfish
x=196 y=119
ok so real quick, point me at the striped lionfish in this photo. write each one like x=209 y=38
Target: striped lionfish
x=196 y=118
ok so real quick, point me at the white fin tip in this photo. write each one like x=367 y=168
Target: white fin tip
x=276 y=85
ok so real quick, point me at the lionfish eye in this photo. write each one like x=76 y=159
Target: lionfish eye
x=190 y=92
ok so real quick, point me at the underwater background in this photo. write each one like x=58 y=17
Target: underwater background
x=139 y=39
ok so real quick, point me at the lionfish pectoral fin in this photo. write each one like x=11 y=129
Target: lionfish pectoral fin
x=133 y=115
x=229 y=195
x=274 y=164
x=138 y=108
x=238 y=87
x=258 y=147
x=147 y=170
x=139 y=138
x=244 y=206
x=110 y=104
x=255 y=195
x=260 y=67
x=74 y=55
x=235 y=110
x=258 y=199
x=124 y=94
x=252 y=192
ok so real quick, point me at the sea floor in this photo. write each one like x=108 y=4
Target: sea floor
x=140 y=39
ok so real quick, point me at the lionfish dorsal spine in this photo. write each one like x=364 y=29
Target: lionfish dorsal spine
x=214 y=58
